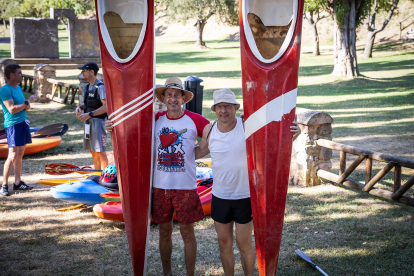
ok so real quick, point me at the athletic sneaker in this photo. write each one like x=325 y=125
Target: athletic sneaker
x=22 y=186
x=4 y=191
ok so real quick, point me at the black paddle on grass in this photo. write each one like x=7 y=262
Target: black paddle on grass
x=308 y=260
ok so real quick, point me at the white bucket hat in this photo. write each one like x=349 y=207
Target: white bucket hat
x=224 y=95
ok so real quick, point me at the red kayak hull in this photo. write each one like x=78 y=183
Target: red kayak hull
x=132 y=139
x=269 y=140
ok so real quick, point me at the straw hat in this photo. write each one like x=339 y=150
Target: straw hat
x=176 y=84
x=224 y=95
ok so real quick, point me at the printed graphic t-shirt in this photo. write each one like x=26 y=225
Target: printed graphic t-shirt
x=8 y=92
x=174 y=144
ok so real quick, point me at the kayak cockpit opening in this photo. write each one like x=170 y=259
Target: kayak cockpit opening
x=124 y=37
x=122 y=25
x=269 y=26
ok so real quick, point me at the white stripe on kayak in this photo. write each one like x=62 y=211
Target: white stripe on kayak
x=273 y=111
x=136 y=111
x=131 y=108
x=128 y=104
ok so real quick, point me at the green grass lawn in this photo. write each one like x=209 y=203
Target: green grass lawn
x=345 y=232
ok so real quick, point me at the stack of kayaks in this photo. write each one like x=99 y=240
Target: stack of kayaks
x=112 y=210
x=37 y=145
x=42 y=139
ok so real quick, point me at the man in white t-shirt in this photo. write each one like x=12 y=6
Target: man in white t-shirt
x=175 y=184
x=225 y=141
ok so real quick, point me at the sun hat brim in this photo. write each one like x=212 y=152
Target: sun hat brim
x=160 y=90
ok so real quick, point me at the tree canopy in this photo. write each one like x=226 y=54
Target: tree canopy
x=226 y=11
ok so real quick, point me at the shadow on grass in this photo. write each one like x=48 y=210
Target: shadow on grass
x=393 y=46
x=362 y=235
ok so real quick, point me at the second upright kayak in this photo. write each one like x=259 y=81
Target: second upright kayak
x=270 y=36
x=126 y=38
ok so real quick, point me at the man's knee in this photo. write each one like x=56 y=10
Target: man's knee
x=165 y=231
x=187 y=232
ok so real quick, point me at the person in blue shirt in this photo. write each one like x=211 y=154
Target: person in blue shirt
x=17 y=126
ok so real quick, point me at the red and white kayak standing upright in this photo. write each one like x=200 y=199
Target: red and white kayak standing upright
x=270 y=35
x=126 y=37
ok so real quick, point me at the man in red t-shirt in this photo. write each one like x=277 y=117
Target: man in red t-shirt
x=174 y=185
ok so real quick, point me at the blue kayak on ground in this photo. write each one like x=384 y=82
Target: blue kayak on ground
x=84 y=192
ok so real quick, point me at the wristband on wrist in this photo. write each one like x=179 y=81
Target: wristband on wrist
x=91 y=113
x=26 y=103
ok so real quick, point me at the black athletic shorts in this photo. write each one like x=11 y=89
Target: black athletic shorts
x=228 y=210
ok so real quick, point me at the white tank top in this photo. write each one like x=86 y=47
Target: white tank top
x=229 y=163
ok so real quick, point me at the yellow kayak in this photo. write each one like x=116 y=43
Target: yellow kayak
x=203 y=162
x=63 y=180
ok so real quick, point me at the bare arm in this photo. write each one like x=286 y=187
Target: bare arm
x=203 y=150
x=14 y=108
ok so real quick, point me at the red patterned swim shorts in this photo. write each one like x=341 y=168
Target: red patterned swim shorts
x=186 y=204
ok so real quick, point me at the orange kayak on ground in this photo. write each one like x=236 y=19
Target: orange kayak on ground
x=37 y=145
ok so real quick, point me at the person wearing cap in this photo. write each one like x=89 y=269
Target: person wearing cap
x=224 y=139
x=174 y=182
x=16 y=126
x=93 y=114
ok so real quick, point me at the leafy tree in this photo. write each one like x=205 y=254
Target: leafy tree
x=34 y=8
x=314 y=8
x=41 y=8
x=226 y=11
x=376 y=7
x=9 y=8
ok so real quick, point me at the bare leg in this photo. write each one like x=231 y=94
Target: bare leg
x=225 y=240
x=18 y=164
x=190 y=247
x=8 y=165
x=100 y=161
x=103 y=159
x=244 y=243
x=165 y=246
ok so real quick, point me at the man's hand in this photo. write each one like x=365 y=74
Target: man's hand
x=78 y=111
x=32 y=99
x=295 y=129
x=84 y=117
x=27 y=107
x=109 y=125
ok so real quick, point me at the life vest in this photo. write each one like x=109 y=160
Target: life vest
x=92 y=100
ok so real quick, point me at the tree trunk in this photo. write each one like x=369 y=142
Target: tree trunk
x=345 y=59
x=200 y=27
x=5 y=23
x=370 y=44
x=315 y=40
x=372 y=32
